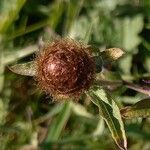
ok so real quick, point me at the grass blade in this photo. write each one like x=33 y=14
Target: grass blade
x=9 y=15
x=72 y=12
x=59 y=123
x=1 y=74
x=10 y=57
x=80 y=110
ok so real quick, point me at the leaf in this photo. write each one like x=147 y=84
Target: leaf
x=57 y=126
x=128 y=30
x=80 y=110
x=8 y=12
x=2 y=67
x=100 y=128
x=139 y=109
x=131 y=99
x=111 y=114
x=147 y=63
x=125 y=64
x=27 y=69
x=52 y=112
x=80 y=29
x=88 y=33
x=141 y=89
x=55 y=13
x=3 y=112
x=28 y=29
x=9 y=57
x=73 y=8
x=59 y=123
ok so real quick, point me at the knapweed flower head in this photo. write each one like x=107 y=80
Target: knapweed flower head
x=65 y=68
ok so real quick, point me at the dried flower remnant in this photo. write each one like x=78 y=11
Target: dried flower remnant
x=65 y=68
x=111 y=54
x=114 y=53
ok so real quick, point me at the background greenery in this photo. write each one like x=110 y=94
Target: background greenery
x=28 y=118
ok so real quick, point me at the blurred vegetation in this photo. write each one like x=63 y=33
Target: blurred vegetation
x=29 y=119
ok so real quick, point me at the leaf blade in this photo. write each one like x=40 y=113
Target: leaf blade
x=9 y=15
x=138 y=88
x=107 y=107
x=139 y=109
x=28 y=69
x=59 y=123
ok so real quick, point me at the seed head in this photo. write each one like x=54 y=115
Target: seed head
x=65 y=68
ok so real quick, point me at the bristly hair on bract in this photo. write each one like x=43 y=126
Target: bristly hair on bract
x=65 y=69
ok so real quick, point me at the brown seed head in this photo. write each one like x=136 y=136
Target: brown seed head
x=65 y=68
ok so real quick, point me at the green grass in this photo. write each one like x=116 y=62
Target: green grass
x=31 y=119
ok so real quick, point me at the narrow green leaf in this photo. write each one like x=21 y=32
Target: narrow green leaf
x=59 y=123
x=56 y=11
x=80 y=28
x=27 y=69
x=139 y=109
x=28 y=29
x=9 y=11
x=111 y=114
x=80 y=110
x=9 y=57
x=100 y=128
x=1 y=74
x=72 y=11
x=52 y=112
